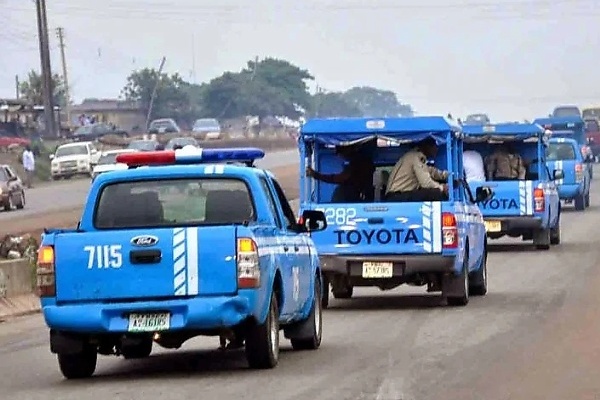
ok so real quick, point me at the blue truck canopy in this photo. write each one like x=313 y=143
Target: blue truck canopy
x=350 y=131
x=510 y=131
x=570 y=127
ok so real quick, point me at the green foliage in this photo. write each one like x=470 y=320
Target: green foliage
x=270 y=87
x=32 y=89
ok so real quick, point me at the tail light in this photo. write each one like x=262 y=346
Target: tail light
x=449 y=231
x=579 y=172
x=247 y=264
x=45 y=272
x=538 y=200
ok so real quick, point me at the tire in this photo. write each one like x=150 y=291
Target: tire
x=587 y=200
x=21 y=203
x=314 y=322
x=555 y=233
x=545 y=244
x=463 y=299
x=8 y=206
x=325 y=293
x=478 y=281
x=78 y=366
x=579 y=202
x=142 y=350
x=262 y=341
x=345 y=292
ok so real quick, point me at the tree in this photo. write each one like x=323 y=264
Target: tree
x=172 y=98
x=377 y=103
x=32 y=89
x=332 y=104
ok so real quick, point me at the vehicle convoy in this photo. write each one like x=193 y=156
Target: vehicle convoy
x=563 y=154
x=73 y=159
x=441 y=244
x=176 y=250
x=12 y=194
x=572 y=127
x=526 y=206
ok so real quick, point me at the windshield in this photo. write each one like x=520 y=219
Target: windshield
x=164 y=123
x=592 y=126
x=142 y=145
x=174 y=202
x=71 y=151
x=560 y=151
x=84 y=130
x=560 y=112
x=591 y=113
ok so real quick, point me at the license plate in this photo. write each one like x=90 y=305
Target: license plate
x=493 y=226
x=377 y=270
x=152 y=322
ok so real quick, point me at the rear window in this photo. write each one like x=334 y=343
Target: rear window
x=174 y=202
x=560 y=151
x=560 y=112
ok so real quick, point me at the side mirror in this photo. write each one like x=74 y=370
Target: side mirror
x=483 y=193
x=51 y=156
x=313 y=221
x=558 y=174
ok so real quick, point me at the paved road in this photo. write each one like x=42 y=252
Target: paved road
x=392 y=345
x=69 y=194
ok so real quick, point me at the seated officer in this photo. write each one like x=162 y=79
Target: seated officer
x=355 y=182
x=412 y=179
x=505 y=164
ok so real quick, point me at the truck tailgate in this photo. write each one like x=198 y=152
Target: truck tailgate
x=108 y=266
x=511 y=198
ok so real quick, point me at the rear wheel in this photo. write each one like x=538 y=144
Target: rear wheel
x=478 y=281
x=462 y=298
x=587 y=200
x=262 y=341
x=580 y=203
x=8 y=205
x=80 y=365
x=325 y=293
x=313 y=324
x=21 y=203
x=542 y=239
x=555 y=233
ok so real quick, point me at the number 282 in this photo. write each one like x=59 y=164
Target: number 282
x=105 y=256
x=339 y=216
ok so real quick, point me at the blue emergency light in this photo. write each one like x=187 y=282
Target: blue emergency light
x=194 y=156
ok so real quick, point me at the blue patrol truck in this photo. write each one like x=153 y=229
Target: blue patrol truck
x=571 y=127
x=528 y=208
x=184 y=245
x=441 y=244
x=563 y=154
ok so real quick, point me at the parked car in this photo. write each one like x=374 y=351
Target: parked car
x=164 y=125
x=207 y=128
x=144 y=145
x=181 y=141
x=73 y=159
x=96 y=131
x=108 y=162
x=12 y=194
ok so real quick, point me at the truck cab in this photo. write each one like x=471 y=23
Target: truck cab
x=528 y=206
x=574 y=187
x=378 y=243
x=181 y=244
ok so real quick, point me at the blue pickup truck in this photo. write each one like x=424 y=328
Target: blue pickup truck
x=180 y=245
x=378 y=243
x=564 y=154
x=528 y=207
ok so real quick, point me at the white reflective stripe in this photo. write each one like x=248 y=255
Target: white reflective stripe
x=522 y=198
x=529 y=197
x=209 y=169
x=179 y=262
x=426 y=213
x=437 y=227
x=559 y=165
x=192 y=261
x=219 y=169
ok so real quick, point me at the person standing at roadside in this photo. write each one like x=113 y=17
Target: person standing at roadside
x=28 y=164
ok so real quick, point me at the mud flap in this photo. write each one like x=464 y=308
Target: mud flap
x=64 y=343
x=541 y=239
x=453 y=285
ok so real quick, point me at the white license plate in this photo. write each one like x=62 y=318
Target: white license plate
x=151 y=322
x=377 y=270
x=493 y=226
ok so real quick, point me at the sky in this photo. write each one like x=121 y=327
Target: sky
x=512 y=59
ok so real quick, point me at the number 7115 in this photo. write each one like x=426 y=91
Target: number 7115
x=105 y=256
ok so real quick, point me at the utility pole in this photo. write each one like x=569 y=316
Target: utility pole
x=60 y=32
x=17 y=87
x=48 y=90
x=160 y=69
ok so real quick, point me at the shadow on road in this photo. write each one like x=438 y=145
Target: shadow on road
x=508 y=248
x=386 y=302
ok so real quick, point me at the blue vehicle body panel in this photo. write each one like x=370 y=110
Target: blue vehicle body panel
x=196 y=278
x=409 y=232
x=514 y=200
x=573 y=184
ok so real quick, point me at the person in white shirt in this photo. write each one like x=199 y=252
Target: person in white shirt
x=28 y=165
x=473 y=165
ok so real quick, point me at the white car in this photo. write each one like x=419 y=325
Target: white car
x=207 y=128
x=73 y=159
x=108 y=162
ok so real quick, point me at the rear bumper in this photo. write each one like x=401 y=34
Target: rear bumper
x=570 y=191
x=512 y=224
x=195 y=313
x=403 y=264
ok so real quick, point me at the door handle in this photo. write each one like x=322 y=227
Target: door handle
x=296 y=248
x=285 y=248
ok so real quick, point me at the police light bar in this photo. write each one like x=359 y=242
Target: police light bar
x=184 y=156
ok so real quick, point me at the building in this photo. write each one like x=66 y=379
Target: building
x=127 y=115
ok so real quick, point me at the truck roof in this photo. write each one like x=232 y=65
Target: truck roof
x=511 y=131
x=572 y=119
